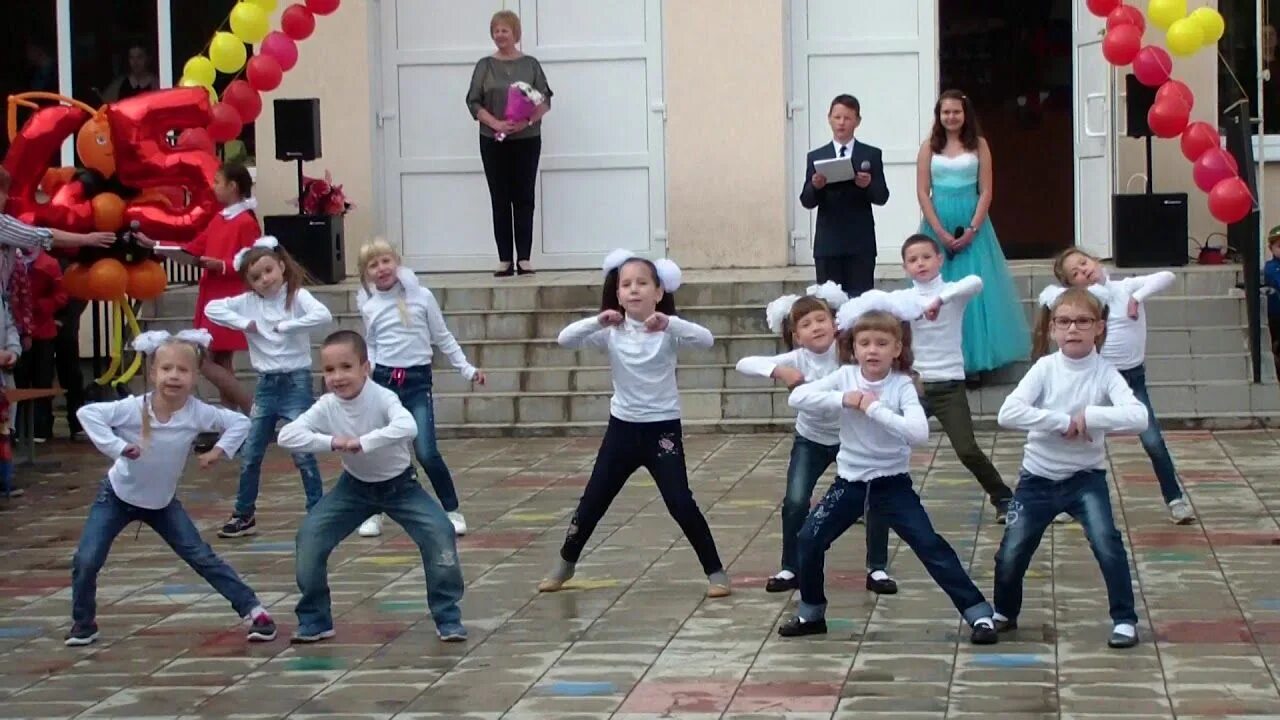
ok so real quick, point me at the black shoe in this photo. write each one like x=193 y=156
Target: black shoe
x=1122 y=642
x=886 y=586
x=1006 y=625
x=263 y=629
x=306 y=639
x=777 y=584
x=508 y=272
x=525 y=271
x=205 y=442
x=1002 y=511
x=239 y=527
x=81 y=635
x=795 y=627
x=984 y=634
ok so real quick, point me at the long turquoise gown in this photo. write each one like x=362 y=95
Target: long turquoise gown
x=995 y=328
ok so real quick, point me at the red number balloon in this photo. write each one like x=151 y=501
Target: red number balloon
x=28 y=160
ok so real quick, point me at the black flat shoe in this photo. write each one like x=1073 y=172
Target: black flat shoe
x=886 y=586
x=795 y=627
x=525 y=271
x=1006 y=625
x=984 y=634
x=511 y=270
x=777 y=584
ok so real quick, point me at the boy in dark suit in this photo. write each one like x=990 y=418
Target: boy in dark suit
x=844 y=247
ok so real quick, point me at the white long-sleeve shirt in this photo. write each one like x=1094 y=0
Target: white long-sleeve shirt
x=937 y=343
x=820 y=426
x=876 y=443
x=1056 y=389
x=643 y=363
x=385 y=429
x=283 y=340
x=151 y=481
x=1126 y=343
x=398 y=344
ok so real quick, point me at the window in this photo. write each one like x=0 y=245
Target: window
x=1239 y=63
x=28 y=56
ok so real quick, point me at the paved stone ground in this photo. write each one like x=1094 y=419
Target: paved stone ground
x=635 y=638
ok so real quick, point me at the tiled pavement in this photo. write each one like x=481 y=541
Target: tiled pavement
x=635 y=638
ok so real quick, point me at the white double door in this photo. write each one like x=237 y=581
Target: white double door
x=601 y=176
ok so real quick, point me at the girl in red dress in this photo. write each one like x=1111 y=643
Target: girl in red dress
x=232 y=229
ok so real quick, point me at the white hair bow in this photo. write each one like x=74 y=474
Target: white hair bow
x=669 y=274
x=899 y=306
x=266 y=241
x=148 y=342
x=776 y=312
x=830 y=293
x=1049 y=296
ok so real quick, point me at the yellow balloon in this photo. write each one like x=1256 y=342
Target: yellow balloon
x=1164 y=13
x=1211 y=23
x=188 y=82
x=266 y=5
x=199 y=69
x=227 y=52
x=249 y=22
x=1184 y=37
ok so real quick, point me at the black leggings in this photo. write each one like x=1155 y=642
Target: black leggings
x=511 y=169
x=627 y=447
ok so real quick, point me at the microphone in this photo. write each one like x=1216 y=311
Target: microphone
x=865 y=166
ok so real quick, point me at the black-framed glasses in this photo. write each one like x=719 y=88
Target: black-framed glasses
x=1065 y=323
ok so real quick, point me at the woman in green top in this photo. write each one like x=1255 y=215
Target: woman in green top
x=510 y=164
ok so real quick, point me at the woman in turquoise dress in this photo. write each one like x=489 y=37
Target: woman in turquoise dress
x=953 y=186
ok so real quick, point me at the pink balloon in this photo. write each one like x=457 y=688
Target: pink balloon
x=264 y=73
x=1102 y=8
x=1121 y=45
x=1127 y=15
x=298 y=22
x=1199 y=138
x=1230 y=200
x=281 y=47
x=1176 y=89
x=1214 y=166
x=323 y=7
x=1152 y=66
x=1168 y=118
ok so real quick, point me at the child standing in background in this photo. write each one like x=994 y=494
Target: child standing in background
x=10 y=352
x=36 y=369
x=1271 y=277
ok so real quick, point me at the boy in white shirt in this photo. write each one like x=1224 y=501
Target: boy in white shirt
x=368 y=425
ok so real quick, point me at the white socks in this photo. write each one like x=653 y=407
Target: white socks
x=879 y=575
x=984 y=622
x=999 y=618
x=785 y=575
x=1125 y=629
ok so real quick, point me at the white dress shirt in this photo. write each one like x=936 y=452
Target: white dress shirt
x=283 y=340
x=1126 y=343
x=385 y=429
x=643 y=363
x=820 y=426
x=937 y=344
x=151 y=481
x=395 y=343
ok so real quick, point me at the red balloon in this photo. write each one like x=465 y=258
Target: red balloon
x=196 y=139
x=279 y=46
x=1178 y=90
x=264 y=73
x=226 y=124
x=1121 y=45
x=1199 y=138
x=1230 y=200
x=1152 y=66
x=323 y=7
x=1212 y=167
x=1102 y=8
x=1127 y=15
x=69 y=209
x=297 y=22
x=29 y=155
x=1169 y=118
x=244 y=99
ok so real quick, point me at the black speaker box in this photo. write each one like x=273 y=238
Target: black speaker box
x=1138 y=101
x=315 y=241
x=1150 y=230
x=297 y=129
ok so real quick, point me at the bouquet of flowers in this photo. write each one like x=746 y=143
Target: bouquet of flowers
x=522 y=100
x=322 y=197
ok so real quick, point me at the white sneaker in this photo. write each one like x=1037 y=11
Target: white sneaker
x=459 y=523
x=1063 y=518
x=1181 y=512
x=371 y=527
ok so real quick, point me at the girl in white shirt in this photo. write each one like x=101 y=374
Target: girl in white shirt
x=1067 y=403
x=1126 y=348
x=808 y=328
x=402 y=321
x=638 y=328
x=880 y=419
x=276 y=316
x=149 y=438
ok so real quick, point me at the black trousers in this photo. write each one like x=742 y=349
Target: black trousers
x=66 y=350
x=627 y=447
x=511 y=169
x=35 y=370
x=1273 y=325
x=854 y=273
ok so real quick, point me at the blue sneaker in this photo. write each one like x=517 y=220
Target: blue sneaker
x=451 y=632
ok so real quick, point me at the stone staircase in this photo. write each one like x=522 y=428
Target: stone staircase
x=1197 y=365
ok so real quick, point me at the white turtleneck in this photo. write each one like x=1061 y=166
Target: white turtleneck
x=385 y=429
x=231 y=211
x=399 y=342
x=820 y=426
x=876 y=443
x=283 y=340
x=1056 y=389
x=643 y=363
x=1126 y=343
x=937 y=343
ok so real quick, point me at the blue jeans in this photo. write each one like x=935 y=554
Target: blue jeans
x=894 y=501
x=342 y=510
x=1035 y=503
x=109 y=515
x=809 y=460
x=1152 y=440
x=414 y=391
x=281 y=396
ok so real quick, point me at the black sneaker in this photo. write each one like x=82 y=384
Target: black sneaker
x=1121 y=641
x=984 y=634
x=239 y=526
x=1002 y=511
x=263 y=629
x=205 y=442
x=777 y=584
x=886 y=586
x=299 y=638
x=81 y=635
x=1006 y=625
x=795 y=627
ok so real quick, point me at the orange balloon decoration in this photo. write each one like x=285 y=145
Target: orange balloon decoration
x=75 y=280
x=147 y=280
x=108 y=280
x=93 y=145
x=108 y=212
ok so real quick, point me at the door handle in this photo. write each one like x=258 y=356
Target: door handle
x=384 y=116
x=1088 y=99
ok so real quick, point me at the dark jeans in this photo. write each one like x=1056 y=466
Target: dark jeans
x=67 y=359
x=36 y=370
x=511 y=169
x=414 y=390
x=893 y=500
x=341 y=511
x=949 y=402
x=1152 y=439
x=854 y=273
x=280 y=396
x=1273 y=325
x=1035 y=503
x=627 y=447
x=109 y=515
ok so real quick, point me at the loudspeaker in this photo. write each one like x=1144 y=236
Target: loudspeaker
x=1150 y=230
x=297 y=129
x=315 y=241
x=1138 y=101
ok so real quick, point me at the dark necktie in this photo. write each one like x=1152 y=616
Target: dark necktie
x=844 y=149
